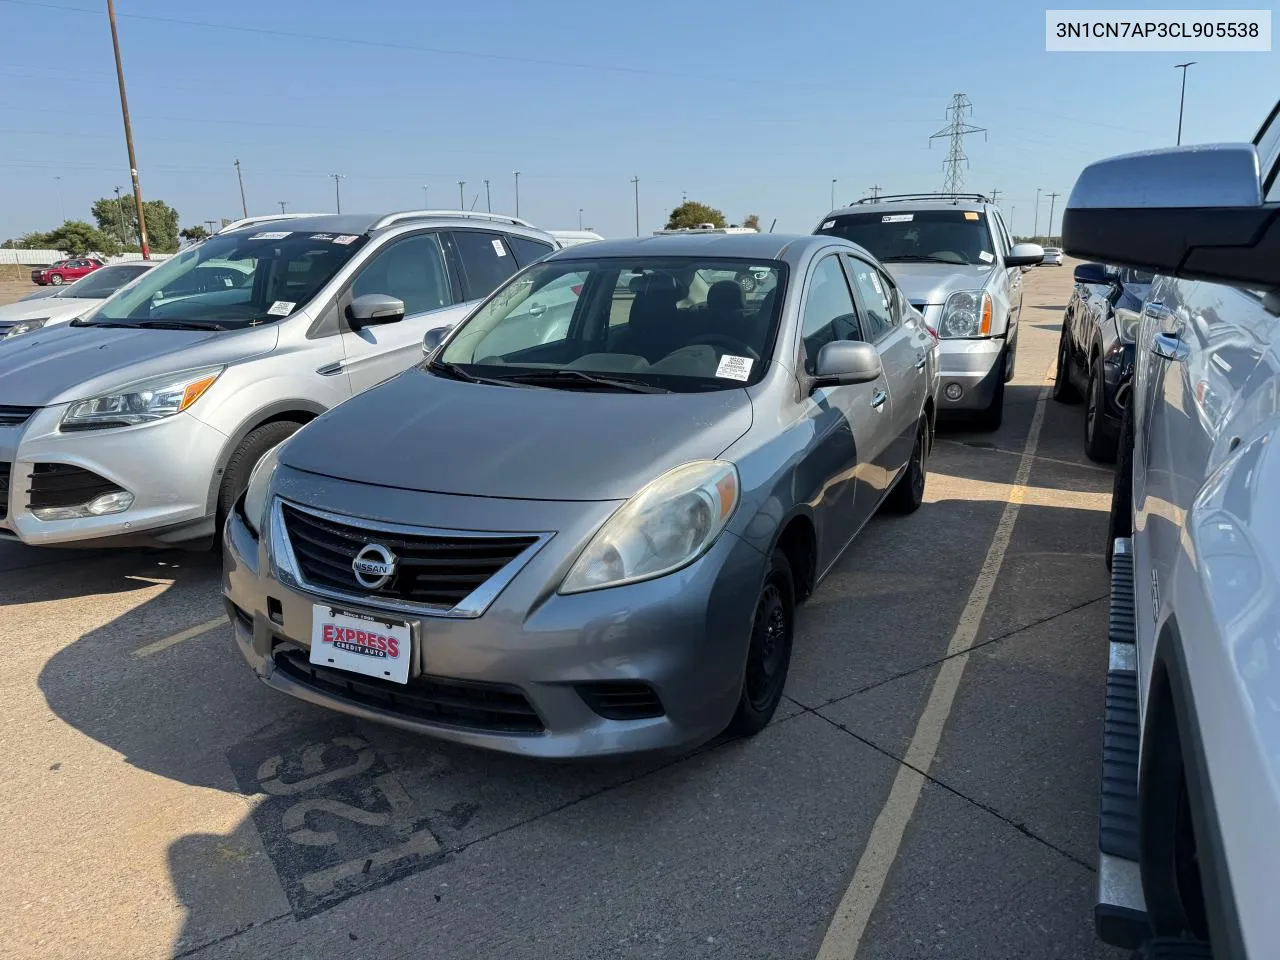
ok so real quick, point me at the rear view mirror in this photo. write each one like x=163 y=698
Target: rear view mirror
x=1024 y=255
x=371 y=309
x=1194 y=212
x=843 y=362
x=433 y=338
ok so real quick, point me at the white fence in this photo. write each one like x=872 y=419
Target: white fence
x=42 y=258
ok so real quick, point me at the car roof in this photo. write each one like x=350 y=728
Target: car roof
x=738 y=246
x=907 y=206
x=361 y=223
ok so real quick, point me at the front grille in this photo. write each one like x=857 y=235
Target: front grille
x=621 y=699
x=434 y=570
x=471 y=704
x=5 y=470
x=62 y=485
x=15 y=416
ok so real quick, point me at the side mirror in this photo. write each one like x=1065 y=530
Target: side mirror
x=1024 y=255
x=372 y=309
x=432 y=339
x=1194 y=212
x=1092 y=273
x=843 y=362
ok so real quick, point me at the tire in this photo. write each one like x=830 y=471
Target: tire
x=1120 y=520
x=235 y=478
x=989 y=420
x=908 y=493
x=1099 y=440
x=769 y=650
x=1064 y=390
x=56 y=279
x=747 y=283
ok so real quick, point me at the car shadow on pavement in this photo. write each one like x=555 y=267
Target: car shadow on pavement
x=34 y=575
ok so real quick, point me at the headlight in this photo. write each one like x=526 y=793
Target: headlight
x=1127 y=324
x=141 y=402
x=666 y=526
x=255 y=497
x=26 y=326
x=967 y=313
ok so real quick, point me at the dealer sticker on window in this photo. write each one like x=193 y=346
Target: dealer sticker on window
x=281 y=308
x=498 y=248
x=271 y=235
x=828 y=225
x=345 y=239
x=897 y=218
x=985 y=257
x=734 y=368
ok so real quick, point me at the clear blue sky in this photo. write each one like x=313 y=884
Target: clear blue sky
x=751 y=107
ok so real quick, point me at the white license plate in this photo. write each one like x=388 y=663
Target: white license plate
x=360 y=643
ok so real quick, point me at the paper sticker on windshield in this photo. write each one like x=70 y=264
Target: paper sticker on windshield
x=321 y=236
x=985 y=257
x=281 y=308
x=734 y=368
x=828 y=225
x=875 y=282
x=498 y=248
x=271 y=235
x=345 y=239
x=897 y=218
x=970 y=215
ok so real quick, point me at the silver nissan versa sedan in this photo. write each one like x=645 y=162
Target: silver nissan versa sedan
x=581 y=525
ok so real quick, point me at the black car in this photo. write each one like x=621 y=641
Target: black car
x=1095 y=353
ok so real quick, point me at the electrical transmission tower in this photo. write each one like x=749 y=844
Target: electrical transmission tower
x=956 y=130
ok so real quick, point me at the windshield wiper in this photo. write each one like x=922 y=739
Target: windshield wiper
x=550 y=377
x=100 y=323
x=920 y=258
x=455 y=371
x=180 y=325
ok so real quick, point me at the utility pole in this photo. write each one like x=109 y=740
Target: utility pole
x=212 y=224
x=337 y=193
x=124 y=234
x=488 y=201
x=635 y=182
x=956 y=131
x=1183 y=98
x=995 y=195
x=282 y=203
x=517 y=176
x=128 y=135
x=1035 y=230
x=462 y=200
x=244 y=207
x=1052 y=198
x=875 y=192
x=424 y=197
x=833 y=194
x=579 y=218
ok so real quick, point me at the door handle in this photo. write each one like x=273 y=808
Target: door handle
x=1168 y=346
x=332 y=369
x=536 y=309
x=878 y=398
x=920 y=361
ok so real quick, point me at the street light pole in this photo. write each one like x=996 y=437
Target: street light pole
x=244 y=207
x=832 y=205
x=488 y=202
x=425 y=203
x=579 y=218
x=635 y=181
x=1183 y=98
x=1035 y=230
x=282 y=204
x=128 y=135
x=517 y=176
x=337 y=192
x=462 y=199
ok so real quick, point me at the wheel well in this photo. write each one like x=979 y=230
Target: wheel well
x=800 y=546
x=293 y=415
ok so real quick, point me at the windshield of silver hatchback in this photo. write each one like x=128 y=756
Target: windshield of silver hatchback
x=643 y=325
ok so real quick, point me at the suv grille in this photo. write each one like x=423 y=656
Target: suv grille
x=5 y=470
x=15 y=416
x=62 y=485
x=434 y=570
x=454 y=703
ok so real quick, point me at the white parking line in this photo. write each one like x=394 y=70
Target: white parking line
x=850 y=921
x=177 y=638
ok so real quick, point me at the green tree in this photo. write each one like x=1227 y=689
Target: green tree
x=751 y=220
x=162 y=222
x=693 y=214
x=76 y=238
x=194 y=233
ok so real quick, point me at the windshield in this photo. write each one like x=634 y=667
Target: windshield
x=945 y=236
x=671 y=323
x=232 y=281
x=103 y=282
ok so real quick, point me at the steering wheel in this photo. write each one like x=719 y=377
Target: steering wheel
x=726 y=345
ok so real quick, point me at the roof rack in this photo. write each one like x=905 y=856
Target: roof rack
x=403 y=215
x=254 y=221
x=903 y=197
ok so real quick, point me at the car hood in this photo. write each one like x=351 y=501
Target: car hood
x=934 y=282
x=67 y=363
x=424 y=432
x=51 y=308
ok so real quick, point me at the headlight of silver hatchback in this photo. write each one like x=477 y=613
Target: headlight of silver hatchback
x=967 y=313
x=25 y=326
x=669 y=524
x=141 y=402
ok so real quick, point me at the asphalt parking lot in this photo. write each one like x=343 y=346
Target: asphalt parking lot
x=927 y=789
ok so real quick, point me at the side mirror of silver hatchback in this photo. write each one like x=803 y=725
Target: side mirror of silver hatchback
x=371 y=309
x=843 y=362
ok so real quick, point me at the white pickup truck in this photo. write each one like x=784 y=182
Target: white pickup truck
x=1189 y=845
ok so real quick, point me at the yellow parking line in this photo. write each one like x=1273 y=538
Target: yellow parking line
x=177 y=638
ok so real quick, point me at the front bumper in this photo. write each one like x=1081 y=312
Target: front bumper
x=167 y=465
x=976 y=367
x=684 y=635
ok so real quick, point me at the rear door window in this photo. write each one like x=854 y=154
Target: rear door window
x=527 y=250
x=486 y=261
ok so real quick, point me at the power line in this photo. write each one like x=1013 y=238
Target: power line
x=956 y=131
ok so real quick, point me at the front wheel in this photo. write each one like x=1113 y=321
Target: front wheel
x=908 y=494
x=246 y=456
x=769 y=651
x=1099 y=441
x=56 y=279
x=1064 y=390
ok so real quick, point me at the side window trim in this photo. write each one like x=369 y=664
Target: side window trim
x=798 y=352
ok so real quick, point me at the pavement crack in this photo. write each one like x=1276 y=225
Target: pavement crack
x=940 y=660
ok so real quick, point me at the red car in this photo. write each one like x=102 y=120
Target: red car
x=65 y=271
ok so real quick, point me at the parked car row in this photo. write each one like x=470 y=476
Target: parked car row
x=65 y=303
x=1179 y=341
